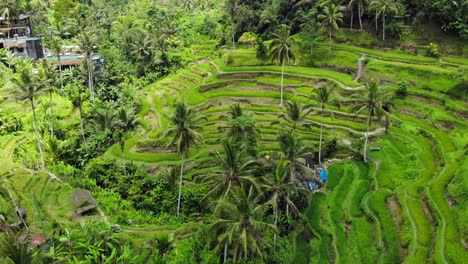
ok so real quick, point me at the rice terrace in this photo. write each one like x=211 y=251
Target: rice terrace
x=233 y=131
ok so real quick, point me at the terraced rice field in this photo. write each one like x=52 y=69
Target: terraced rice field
x=395 y=209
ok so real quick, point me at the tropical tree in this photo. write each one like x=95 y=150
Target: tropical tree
x=164 y=243
x=184 y=135
x=48 y=77
x=295 y=114
x=56 y=47
x=331 y=17
x=127 y=118
x=104 y=118
x=281 y=51
x=323 y=96
x=87 y=42
x=240 y=225
x=382 y=7
x=360 y=7
x=27 y=88
x=377 y=103
x=293 y=152
x=78 y=97
x=13 y=251
x=280 y=188
x=234 y=171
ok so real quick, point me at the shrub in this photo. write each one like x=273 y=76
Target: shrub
x=433 y=50
x=230 y=59
x=248 y=38
x=261 y=49
x=402 y=90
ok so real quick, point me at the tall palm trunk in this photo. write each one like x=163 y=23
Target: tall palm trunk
x=383 y=25
x=82 y=129
x=180 y=184
x=233 y=37
x=320 y=142
x=329 y=38
x=276 y=223
x=51 y=115
x=352 y=18
x=367 y=137
x=282 y=80
x=225 y=253
x=359 y=15
x=90 y=78
x=36 y=132
x=8 y=36
x=376 y=25
x=60 y=72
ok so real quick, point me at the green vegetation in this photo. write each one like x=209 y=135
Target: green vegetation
x=188 y=158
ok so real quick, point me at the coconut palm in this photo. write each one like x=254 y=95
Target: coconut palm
x=293 y=152
x=87 y=42
x=376 y=102
x=56 y=47
x=28 y=88
x=8 y=58
x=48 y=77
x=360 y=6
x=163 y=243
x=295 y=114
x=240 y=225
x=78 y=98
x=234 y=171
x=382 y=7
x=184 y=135
x=323 y=97
x=127 y=118
x=281 y=51
x=104 y=118
x=331 y=17
x=278 y=186
x=235 y=111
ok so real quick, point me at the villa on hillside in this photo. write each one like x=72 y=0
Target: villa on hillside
x=16 y=35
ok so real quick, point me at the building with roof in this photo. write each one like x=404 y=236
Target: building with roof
x=16 y=35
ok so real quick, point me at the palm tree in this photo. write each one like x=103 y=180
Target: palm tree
x=293 y=152
x=280 y=188
x=235 y=111
x=87 y=42
x=235 y=171
x=127 y=118
x=382 y=7
x=78 y=98
x=104 y=118
x=330 y=18
x=56 y=47
x=376 y=103
x=48 y=77
x=295 y=114
x=323 y=96
x=240 y=225
x=170 y=177
x=13 y=251
x=164 y=243
x=281 y=50
x=184 y=135
x=28 y=88
x=360 y=6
